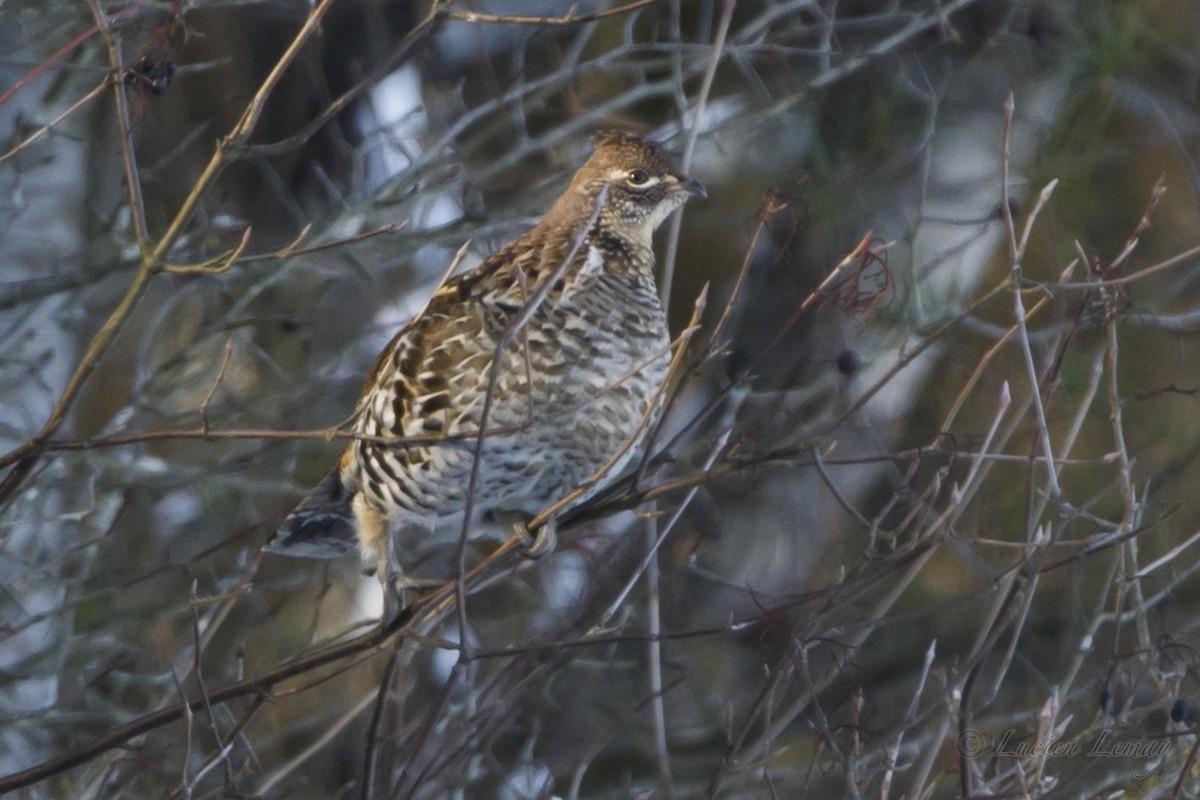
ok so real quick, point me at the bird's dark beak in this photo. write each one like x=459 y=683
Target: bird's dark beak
x=691 y=186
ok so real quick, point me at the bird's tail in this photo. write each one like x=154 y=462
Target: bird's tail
x=322 y=526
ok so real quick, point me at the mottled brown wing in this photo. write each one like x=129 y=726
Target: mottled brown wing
x=431 y=378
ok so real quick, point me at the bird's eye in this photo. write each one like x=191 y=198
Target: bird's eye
x=638 y=177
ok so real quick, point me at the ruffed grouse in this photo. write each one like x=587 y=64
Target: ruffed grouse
x=577 y=388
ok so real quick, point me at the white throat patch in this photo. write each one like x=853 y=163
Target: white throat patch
x=594 y=263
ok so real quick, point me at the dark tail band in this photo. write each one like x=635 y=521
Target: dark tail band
x=322 y=526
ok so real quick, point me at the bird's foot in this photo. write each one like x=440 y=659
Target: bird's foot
x=539 y=543
x=411 y=583
x=396 y=592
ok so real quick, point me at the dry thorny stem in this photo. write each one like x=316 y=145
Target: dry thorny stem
x=652 y=538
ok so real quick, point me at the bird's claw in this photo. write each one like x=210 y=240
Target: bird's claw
x=406 y=583
x=540 y=543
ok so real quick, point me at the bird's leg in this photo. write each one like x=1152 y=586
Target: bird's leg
x=540 y=542
x=377 y=545
x=391 y=575
x=397 y=584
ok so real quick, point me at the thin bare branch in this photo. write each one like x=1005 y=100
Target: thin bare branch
x=570 y=18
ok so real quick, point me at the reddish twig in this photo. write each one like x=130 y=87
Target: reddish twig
x=55 y=57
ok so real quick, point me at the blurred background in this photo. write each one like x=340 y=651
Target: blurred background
x=922 y=492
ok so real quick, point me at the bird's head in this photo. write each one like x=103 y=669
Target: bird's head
x=643 y=188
